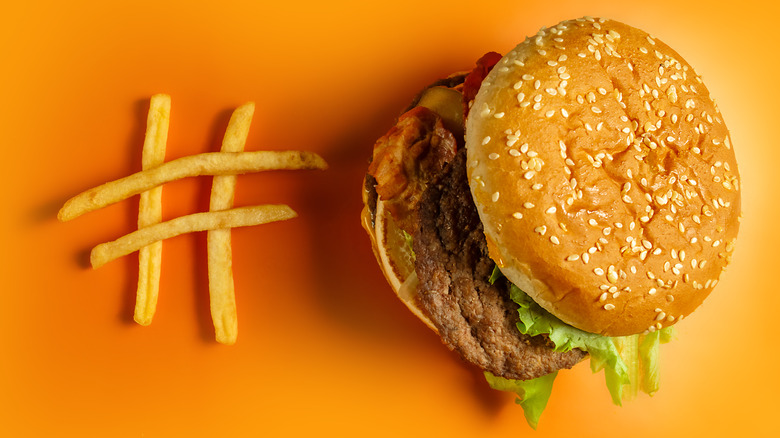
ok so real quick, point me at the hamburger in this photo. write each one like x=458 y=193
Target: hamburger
x=574 y=198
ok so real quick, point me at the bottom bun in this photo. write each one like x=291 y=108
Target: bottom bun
x=394 y=255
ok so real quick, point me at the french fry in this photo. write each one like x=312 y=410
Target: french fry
x=209 y=163
x=212 y=220
x=222 y=299
x=218 y=221
x=150 y=209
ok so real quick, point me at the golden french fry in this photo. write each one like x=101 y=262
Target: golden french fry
x=209 y=163
x=150 y=209
x=212 y=220
x=222 y=299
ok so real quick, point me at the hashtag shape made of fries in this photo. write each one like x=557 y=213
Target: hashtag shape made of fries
x=218 y=221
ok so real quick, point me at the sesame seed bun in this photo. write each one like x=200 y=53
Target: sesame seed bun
x=604 y=176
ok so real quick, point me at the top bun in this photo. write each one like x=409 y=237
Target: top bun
x=604 y=176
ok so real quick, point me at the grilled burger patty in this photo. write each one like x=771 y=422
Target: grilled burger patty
x=475 y=318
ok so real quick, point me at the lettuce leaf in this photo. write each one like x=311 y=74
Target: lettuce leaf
x=409 y=242
x=630 y=363
x=534 y=320
x=533 y=394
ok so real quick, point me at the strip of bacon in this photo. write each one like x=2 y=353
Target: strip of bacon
x=407 y=159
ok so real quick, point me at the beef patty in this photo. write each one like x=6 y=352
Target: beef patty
x=474 y=317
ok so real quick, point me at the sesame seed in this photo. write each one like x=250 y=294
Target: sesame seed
x=651 y=291
x=541 y=230
x=599 y=271
x=537 y=186
x=530 y=174
x=573 y=257
x=609 y=306
x=554 y=240
x=528 y=205
x=486 y=140
x=495 y=196
x=493 y=156
x=585 y=257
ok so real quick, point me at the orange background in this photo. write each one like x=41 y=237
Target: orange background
x=324 y=348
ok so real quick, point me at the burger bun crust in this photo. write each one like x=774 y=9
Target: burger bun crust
x=604 y=176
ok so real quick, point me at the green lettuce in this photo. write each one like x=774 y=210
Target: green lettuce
x=409 y=242
x=630 y=363
x=534 y=320
x=533 y=394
